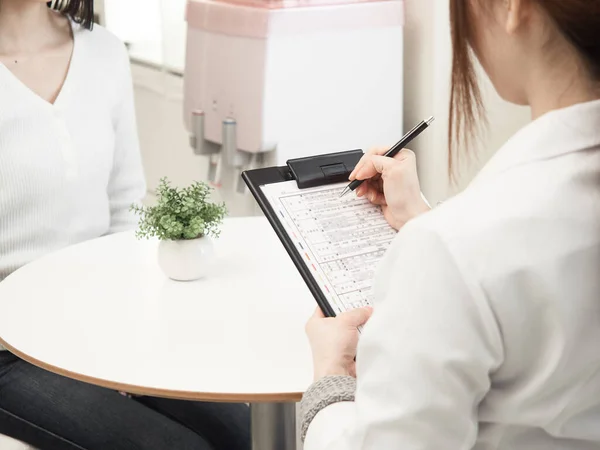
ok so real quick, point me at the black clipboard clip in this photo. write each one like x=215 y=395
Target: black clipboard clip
x=320 y=170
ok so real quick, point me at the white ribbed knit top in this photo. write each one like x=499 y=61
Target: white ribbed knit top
x=69 y=171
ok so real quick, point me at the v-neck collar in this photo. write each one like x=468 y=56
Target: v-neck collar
x=64 y=89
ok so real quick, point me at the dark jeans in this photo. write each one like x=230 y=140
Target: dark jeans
x=51 y=412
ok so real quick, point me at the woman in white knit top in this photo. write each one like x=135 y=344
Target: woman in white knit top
x=69 y=170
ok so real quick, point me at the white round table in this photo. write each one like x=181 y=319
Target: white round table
x=103 y=312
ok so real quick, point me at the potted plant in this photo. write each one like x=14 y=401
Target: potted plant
x=184 y=221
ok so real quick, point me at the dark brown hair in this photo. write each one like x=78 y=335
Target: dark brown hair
x=579 y=22
x=80 y=11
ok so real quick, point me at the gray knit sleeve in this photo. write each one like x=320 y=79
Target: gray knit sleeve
x=323 y=393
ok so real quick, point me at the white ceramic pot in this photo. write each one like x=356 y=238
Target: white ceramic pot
x=186 y=260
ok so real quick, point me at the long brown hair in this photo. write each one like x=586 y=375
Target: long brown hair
x=579 y=22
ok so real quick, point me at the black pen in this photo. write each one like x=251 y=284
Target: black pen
x=406 y=139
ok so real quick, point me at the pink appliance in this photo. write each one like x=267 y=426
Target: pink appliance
x=266 y=81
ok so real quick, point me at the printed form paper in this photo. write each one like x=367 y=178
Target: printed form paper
x=340 y=239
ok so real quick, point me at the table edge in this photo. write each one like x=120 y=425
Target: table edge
x=290 y=397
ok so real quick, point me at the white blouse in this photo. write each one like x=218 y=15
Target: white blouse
x=69 y=171
x=486 y=327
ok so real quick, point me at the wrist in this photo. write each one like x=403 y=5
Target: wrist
x=330 y=371
x=419 y=207
x=422 y=209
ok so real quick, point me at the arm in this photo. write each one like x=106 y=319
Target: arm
x=424 y=359
x=126 y=184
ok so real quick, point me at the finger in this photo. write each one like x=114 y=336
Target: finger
x=356 y=317
x=402 y=155
x=365 y=170
x=365 y=187
x=318 y=314
x=377 y=150
x=362 y=190
x=358 y=166
x=377 y=184
x=310 y=323
x=361 y=162
x=374 y=195
x=376 y=198
x=374 y=165
x=380 y=151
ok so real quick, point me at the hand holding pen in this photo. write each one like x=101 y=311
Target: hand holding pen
x=391 y=182
x=393 y=151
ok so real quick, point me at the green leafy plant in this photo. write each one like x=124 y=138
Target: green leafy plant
x=180 y=213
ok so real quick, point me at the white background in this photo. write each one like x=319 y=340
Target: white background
x=156 y=29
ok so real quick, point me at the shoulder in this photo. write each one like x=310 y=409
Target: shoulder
x=103 y=58
x=515 y=223
x=521 y=208
x=102 y=47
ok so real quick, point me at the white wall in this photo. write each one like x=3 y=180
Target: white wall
x=427 y=89
x=154 y=29
x=99 y=9
x=427 y=59
x=163 y=138
x=165 y=143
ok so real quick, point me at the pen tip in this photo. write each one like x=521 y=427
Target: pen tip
x=344 y=192
x=431 y=119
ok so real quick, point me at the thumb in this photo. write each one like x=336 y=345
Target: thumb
x=374 y=165
x=318 y=314
x=356 y=317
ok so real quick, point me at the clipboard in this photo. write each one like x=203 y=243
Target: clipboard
x=311 y=172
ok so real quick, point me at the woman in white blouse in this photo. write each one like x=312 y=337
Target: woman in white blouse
x=485 y=329
x=69 y=170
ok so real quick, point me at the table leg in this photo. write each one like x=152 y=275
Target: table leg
x=273 y=426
